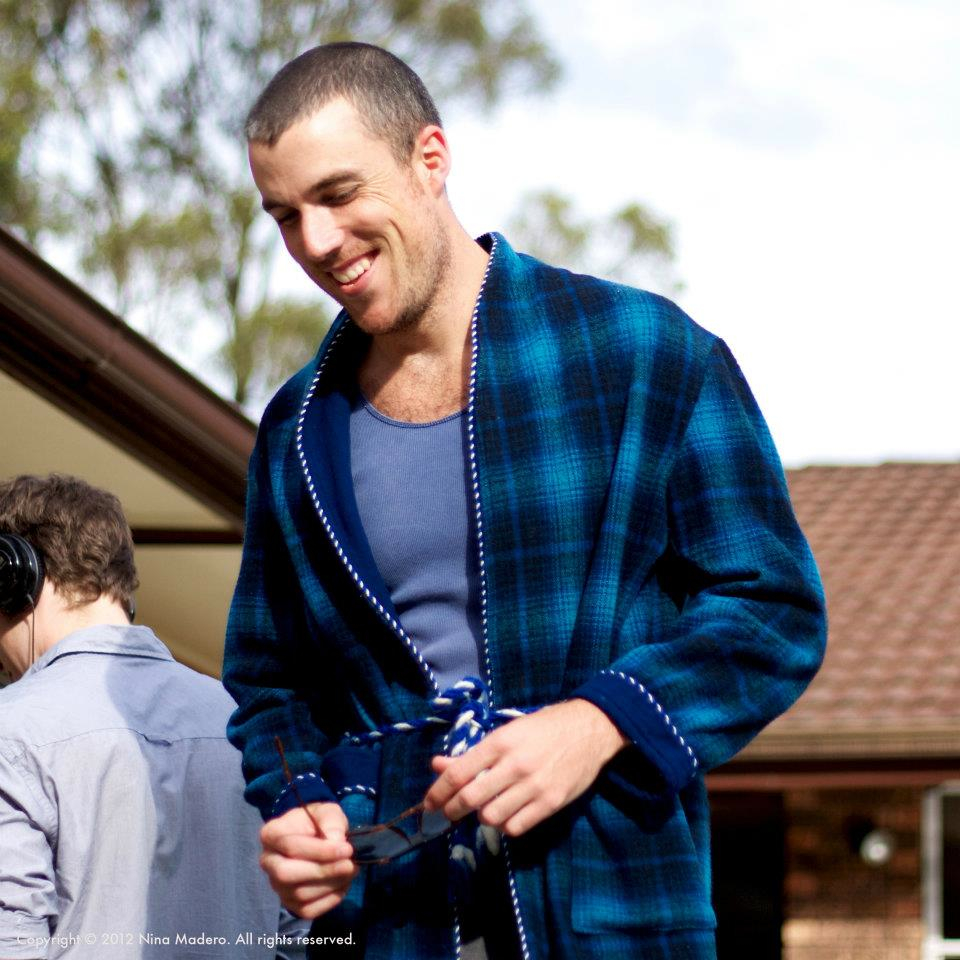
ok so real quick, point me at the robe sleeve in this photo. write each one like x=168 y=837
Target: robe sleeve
x=266 y=629
x=751 y=630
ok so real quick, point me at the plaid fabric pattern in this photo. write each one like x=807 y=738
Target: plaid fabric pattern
x=639 y=551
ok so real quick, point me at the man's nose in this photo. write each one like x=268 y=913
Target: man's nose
x=320 y=235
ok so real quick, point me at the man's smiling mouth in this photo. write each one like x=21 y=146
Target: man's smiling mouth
x=353 y=272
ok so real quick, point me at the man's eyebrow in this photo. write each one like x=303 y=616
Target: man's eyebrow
x=334 y=180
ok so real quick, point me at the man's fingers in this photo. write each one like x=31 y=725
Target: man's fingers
x=310 y=848
x=310 y=873
x=498 y=811
x=459 y=771
x=329 y=816
x=526 y=818
x=287 y=871
x=304 y=893
x=332 y=819
x=311 y=901
x=486 y=785
x=316 y=908
x=305 y=886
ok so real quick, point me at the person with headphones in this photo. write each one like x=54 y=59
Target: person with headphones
x=123 y=828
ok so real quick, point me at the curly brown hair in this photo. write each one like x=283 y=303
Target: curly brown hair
x=80 y=531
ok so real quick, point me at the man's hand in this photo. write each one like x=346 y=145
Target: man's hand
x=311 y=874
x=527 y=769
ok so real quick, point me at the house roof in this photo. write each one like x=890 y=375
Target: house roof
x=64 y=345
x=83 y=393
x=887 y=540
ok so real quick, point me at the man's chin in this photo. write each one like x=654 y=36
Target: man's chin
x=378 y=324
x=373 y=324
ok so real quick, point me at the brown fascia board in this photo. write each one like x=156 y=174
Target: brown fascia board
x=864 y=774
x=60 y=342
x=903 y=741
x=852 y=758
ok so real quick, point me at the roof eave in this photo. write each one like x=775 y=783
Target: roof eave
x=60 y=342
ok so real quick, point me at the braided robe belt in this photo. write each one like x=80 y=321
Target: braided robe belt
x=464 y=709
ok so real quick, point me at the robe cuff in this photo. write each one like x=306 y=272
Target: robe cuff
x=643 y=720
x=311 y=789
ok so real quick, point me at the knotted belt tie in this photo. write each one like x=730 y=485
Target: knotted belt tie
x=463 y=707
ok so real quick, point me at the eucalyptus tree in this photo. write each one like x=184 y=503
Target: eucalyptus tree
x=120 y=142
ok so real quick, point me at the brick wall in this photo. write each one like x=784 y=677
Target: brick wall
x=836 y=906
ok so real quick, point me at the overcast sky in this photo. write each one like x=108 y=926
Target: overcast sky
x=808 y=156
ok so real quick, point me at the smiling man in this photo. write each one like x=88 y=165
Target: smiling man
x=519 y=556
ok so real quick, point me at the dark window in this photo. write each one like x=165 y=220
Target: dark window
x=950 y=892
x=748 y=868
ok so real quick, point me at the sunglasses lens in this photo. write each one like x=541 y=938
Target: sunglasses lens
x=433 y=823
x=386 y=841
x=382 y=845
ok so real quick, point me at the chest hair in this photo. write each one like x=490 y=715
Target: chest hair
x=417 y=392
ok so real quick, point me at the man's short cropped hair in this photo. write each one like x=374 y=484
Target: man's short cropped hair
x=80 y=531
x=390 y=98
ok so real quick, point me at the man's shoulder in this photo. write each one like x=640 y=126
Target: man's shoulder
x=285 y=404
x=618 y=321
x=18 y=701
x=283 y=410
x=206 y=689
x=146 y=693
x=33 y=711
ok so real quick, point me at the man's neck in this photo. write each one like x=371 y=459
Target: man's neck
x=422 y=373
x=66 y=619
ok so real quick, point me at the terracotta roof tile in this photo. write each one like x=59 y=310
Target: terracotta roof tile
x=887 y=540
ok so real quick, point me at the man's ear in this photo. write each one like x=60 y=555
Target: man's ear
x=431 y=159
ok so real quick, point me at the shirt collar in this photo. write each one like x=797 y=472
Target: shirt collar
x=132 y=641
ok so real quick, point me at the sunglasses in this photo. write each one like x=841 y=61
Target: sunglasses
x=387 y=841
x=380 y=842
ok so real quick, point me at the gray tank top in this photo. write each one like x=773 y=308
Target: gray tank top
x=412 y=489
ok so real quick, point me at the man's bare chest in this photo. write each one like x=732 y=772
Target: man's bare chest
x=417 y=395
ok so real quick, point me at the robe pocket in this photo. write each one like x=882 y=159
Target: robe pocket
x=627 y=875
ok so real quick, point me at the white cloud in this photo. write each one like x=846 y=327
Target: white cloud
x=808 y=156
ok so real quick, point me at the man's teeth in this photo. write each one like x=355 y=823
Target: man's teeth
x=351 y=273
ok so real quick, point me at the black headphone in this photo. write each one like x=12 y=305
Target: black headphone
x=21 y=575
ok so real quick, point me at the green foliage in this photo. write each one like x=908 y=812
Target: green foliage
x=270 y=343
x=629 y=245
x=22 y=100
x=547 y=226
x=120 y=133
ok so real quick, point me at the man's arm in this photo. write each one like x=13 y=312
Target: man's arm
x=748 y=638
x=28 y=893
x=264 y=666
x=751 y=632
x=261 y=671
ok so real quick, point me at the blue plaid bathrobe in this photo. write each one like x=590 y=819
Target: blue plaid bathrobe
x=638 y=549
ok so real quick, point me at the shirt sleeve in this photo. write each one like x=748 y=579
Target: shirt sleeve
x=28 y=897
x=751 y=628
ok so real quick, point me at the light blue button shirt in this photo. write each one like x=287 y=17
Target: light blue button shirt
x=123 y=829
